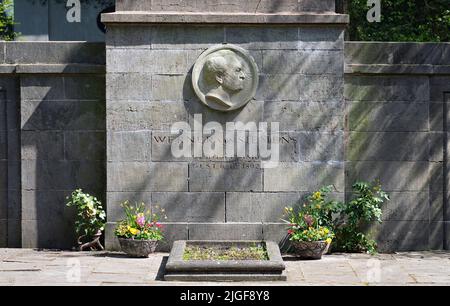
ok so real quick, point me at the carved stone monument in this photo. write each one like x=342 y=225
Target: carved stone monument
x=225 y=77
x=252 y=62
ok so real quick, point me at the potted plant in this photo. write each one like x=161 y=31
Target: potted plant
x=140 y=231
x=308 y=239
x=90 y=220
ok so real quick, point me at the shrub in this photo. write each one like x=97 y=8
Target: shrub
x=91 y=217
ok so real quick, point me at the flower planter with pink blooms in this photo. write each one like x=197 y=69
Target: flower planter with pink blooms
x=140 y=231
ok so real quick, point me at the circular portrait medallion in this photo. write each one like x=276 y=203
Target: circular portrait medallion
x=225 y=77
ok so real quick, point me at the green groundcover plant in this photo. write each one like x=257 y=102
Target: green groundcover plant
x=321 y=217
x=7 y=21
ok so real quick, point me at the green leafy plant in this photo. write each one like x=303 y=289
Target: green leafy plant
x=91 y=217
x=140 y=224
x=363 y=208
x=7 y=21
x=321 y=218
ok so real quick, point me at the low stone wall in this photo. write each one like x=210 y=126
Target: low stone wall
x=397 y=97
x=52 y=135
x=53 y=140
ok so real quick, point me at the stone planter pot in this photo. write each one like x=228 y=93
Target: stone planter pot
x=138 y=248
x=310 y=250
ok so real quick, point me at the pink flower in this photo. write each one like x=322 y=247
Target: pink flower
x=309 y=220
x=140 y=220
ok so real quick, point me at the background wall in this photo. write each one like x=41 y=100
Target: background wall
x=46 y=20
x=53 y=140
x=397 y=131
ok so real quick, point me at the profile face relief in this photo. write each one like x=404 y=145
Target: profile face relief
x=225 y=74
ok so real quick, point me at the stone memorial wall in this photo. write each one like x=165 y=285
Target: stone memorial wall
x=75 y=116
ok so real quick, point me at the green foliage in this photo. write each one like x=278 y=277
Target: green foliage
x=90 y=214
x=321 y=218
x=139 y=223
x=401 y=20
x=365 y=207
x=7 y=21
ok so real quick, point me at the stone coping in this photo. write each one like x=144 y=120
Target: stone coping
x=52 y=69
x=177 y=264
x=396 y=69
x=140 y=17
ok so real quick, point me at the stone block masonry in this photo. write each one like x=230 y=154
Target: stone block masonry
x=149 y=66
x=79 y=115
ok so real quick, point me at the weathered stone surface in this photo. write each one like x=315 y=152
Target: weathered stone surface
x=321 y=146
x=436 y=146
x=369 y=53
x=303 y=18
x=255 y=38
x=85 y=145
x=250 y=6
x=186 y=38
x=305 y=116
x=192 y=206
x=276 y=232
x=372 y=117
x=145 y=176
x=129 y=145
x=252 y=112
x=63 y=115
x=394 y=176
x=130 y=116
x=286 y=87
x=260 y=207
x=225 y=176
x=401 y=235
x=149 y=61
x=173 y=88
x=42 y=88
x=49 y=206
x=115 y=212
x=84 y=87
x=48 y=145
x=309 y=62
x=387 y=88
x=225 y=231
x=62 y=52
x=439 y=85
x=320 y=39
x=3 y=145
x=129 y=87
x=63 y=175
x=4 y=229
x=407 y=206
x=58 y=234
x=3 y=205
x=135 y=37
x=436 y=240
x=304 y=176
x=392 y=146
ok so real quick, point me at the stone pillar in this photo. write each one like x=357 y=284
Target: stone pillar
x=152 y=47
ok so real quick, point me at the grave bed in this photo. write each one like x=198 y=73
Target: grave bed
x=179 y=269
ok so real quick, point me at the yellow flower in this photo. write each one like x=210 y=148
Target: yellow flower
x=328 y=240
x=317 y=195
x=318 y=206
x=133 y=230
x=326 y=231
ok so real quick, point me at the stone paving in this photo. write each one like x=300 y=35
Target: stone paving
x=32 y=267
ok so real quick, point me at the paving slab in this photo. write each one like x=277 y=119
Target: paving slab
x=29 y=267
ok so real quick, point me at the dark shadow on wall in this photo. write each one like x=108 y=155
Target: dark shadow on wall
x=63 y=148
